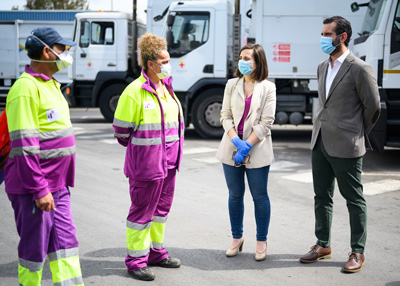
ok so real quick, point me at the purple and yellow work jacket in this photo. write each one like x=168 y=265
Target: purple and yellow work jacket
x=42 y=154
x=153 y=139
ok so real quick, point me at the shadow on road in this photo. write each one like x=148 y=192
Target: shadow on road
x=212 y=260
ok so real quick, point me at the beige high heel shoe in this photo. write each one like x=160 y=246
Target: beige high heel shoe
x=261 y=256
x=232 y=252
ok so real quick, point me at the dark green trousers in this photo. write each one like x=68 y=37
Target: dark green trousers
x=347 y=172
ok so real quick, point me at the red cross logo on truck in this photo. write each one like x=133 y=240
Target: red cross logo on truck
x=181 y=63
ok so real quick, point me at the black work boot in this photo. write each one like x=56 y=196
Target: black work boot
x=168 y=262
x=145 y=274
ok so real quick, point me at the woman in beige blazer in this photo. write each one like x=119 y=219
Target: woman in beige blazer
x=248 y=112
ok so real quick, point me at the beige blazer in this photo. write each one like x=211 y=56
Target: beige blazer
x=346 y=117
x=260 y=119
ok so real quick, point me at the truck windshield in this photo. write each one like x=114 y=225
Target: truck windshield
x=190 y=31
x=373 y=17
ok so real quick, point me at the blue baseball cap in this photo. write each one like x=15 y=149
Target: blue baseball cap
x=46 y=35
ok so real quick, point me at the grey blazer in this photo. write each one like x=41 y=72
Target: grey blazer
x=346 y=117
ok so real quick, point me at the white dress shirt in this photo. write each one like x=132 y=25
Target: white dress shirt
x=332 y=72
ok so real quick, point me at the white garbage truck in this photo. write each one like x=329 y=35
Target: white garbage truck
x=288 y=30
x=378 y=43
x=15 y=27
x=204 y=38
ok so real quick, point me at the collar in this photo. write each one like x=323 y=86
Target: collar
x=28 y=70
x=342 y=57
x=150 y=86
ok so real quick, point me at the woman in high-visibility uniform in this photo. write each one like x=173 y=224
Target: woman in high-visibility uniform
x=149 y=122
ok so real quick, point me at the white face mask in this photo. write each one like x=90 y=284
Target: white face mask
x=165 y=71
x=64 y=59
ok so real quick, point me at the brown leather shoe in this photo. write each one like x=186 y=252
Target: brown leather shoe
x=355 y=263
x=316 y=253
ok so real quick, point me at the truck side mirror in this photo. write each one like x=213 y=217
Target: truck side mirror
x=170 y=38
x=354 y=7
x=170 y=20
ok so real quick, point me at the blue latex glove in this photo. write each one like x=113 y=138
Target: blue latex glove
x=239 y=158
x=243 y=146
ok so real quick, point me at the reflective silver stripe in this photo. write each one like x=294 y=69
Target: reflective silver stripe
x=63 y=253
x=125 y=124
x=24 y=151
x=157 y=245
x=138 y=253
x=172 y=138
x=116 y=135
x=157 y=126
x=149 y=126
x=138 y=226
x=160 y=219
x=70 y=282
x=56 y=153
x=24 y=133
x=31 y=265
x=61 y=133
x=172 y=124
x=146 y=141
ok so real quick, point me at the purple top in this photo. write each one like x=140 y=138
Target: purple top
x=247 y=103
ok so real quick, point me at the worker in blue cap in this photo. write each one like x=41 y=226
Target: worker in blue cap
x=41 y=164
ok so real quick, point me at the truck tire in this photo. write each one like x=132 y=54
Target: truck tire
x=109 y=100
x=206 y=113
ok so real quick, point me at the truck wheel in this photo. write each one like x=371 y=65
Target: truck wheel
x=206 y=113
x=109 y=100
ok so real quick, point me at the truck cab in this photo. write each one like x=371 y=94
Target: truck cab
x=200 y=47
x=104 y=60
x=379 y=45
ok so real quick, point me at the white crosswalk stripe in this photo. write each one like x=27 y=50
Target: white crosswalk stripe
x=199 y=150
x=380 y=187
x=370 y=189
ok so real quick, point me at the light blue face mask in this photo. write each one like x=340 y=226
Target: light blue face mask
x=245 y=67
x=326 y=44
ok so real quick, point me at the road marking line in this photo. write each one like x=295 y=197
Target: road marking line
x=380 y=187
x=93 y=136
x=303 y=177
x=381 y=174
x=109 y=141
x=283 y=165
x=370 y=189
x=198 y=150
x=208 y=160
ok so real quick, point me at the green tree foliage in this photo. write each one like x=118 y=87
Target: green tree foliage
x=56 y=5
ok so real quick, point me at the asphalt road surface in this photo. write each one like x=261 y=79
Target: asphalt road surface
x=198 y=230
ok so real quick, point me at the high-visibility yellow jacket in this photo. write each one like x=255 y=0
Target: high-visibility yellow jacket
x=42 y=155
x=140 y=125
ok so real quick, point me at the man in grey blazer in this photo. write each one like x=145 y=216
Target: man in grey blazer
x=348 y=109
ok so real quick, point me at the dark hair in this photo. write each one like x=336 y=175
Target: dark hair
x=34 y=52
x=342 y=25
x=261 y=71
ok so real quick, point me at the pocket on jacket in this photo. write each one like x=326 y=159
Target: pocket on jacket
x=348 y=127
